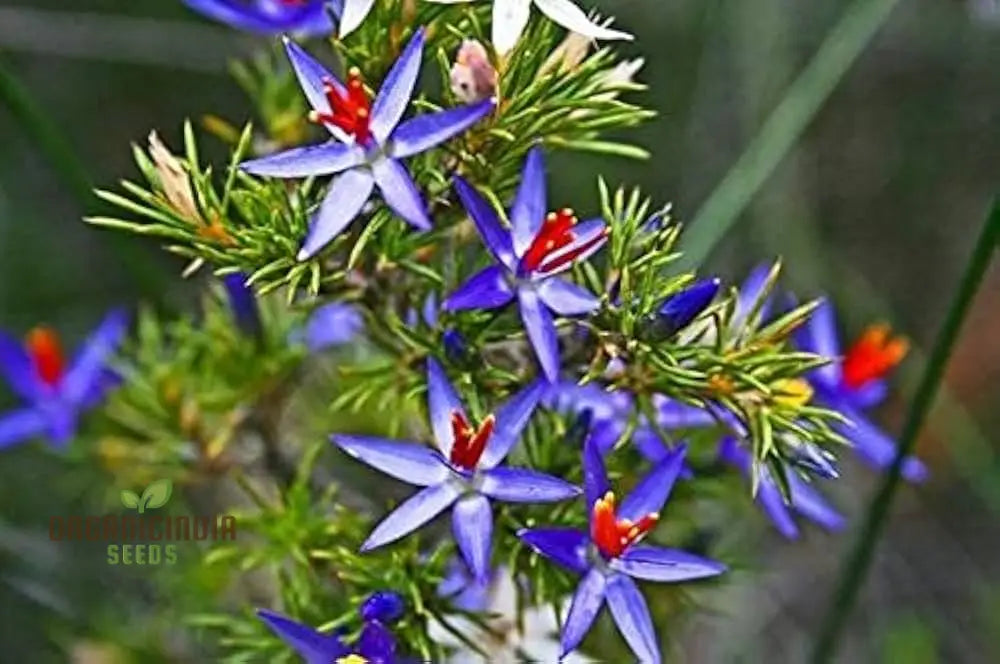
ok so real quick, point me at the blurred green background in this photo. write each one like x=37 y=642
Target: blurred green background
x=878 y=202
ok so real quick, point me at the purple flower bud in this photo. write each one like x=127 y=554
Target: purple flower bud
x=678 y=311
x=244 y=304
x=455 y=348
x=384 y=606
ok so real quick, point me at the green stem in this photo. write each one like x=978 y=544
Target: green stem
x=783 y=127
x=57 y=150
x=856 y=565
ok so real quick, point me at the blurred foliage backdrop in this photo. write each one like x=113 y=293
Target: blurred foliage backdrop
x=878 y=203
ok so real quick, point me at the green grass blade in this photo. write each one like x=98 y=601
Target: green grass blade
x=857 y=562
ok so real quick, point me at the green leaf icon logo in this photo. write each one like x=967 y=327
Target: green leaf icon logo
x=130 y=499
x=156 y=495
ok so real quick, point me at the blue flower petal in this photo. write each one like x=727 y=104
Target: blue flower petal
x=876 y=448
x=441 y=403
x=324 y=159
x=400 y=193
x=541 y=331
x=589 y=236
x=333 y=324
x=410 y=462
x=653 y=563
x=595 y=476
x=311 y=75
x=472 y=526
x=564 y=546
x=511 y=418
x=521 y=485
x=652 y=492
x=495 y=236
x=347 y=194
x=309 y=18
x=376 y=644
x=432 y=129
x=819 y=335
x=778 y=512
x=90 y=363
x=750 y=291
x=21 y=425
x=17 y=367
x=587 y=602
x=631 y=614
x=529 y=209
x=487 y=289
x=315 y=647
x=567 y=299
x=808 y=502
x=672 y=414
x=412 y=513
x=397 y=89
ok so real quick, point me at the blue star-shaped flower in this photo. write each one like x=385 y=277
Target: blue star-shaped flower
x=369 y=142
x=56 y=393
x=609 y=556
x=855 y=382
x=463 y=473
x=538 y=247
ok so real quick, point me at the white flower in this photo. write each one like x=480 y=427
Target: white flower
x=511 y=16
x=535 y=639
x=354 y=12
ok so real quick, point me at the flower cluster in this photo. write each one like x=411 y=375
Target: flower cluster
x=561 y=359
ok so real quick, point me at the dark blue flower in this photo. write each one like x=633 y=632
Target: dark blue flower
x=855 y=382
x=54 y=392
x=272 y=17
x=804 y=498
x=369 y=142
x=463 y=473
x=385 y=606
x=538 y=247
x=244 y=304
x=376 y=645
x=609 y=556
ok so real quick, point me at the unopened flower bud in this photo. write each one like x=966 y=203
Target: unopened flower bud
x=243 y=302
x=677 y=311
x=473 y=77
x=384 y=606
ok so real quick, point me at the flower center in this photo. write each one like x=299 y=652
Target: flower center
x=544 y=254
x=469 y=442
x=612 y=535
x=350 y=108
x=351 y=659
x=46 y=355
x=872 y=356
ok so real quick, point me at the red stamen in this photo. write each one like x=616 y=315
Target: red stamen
x=350 y=110
x=556 y=233
x=46 y=354
x=469 y=443
x=612 y=536
x=872 y=356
